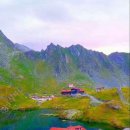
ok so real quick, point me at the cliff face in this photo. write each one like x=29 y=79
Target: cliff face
x=6 y=50
x=121 y=60
x=112 y=70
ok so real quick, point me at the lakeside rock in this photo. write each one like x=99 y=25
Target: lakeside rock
x=114 y=105
x=70 y=114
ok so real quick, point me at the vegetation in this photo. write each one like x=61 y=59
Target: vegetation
x=12 y=98
x=107 y=94
x=112 y=111
x=47 y=72
x=126 y=93
x=103 y=113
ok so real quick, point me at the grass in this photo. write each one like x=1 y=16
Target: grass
x=14 y=99
x=7 y=94
x=126 y=93
x=103 y=113
x=67 y=103
x=106 y=95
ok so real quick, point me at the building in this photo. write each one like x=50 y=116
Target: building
x=72 y=91
x=69 y=128
x=99 y=89
x=66 y=92
x=77 y=91
x=41 y=99
x=71 y=85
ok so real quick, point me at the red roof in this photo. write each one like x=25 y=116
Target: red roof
x=81 y=90
x=76 y=128
x=69 y=128
x=55 y=128
x=66 y=91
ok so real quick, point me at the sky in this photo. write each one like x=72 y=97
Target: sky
x=101 y=25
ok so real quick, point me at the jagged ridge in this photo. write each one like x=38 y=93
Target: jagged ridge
x=74 y=64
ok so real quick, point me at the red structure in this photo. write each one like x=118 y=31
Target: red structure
x=69 y=128
x=66 y=92
x=72 y=91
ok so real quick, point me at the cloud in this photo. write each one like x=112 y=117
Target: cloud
x=122 y=47
x=95 y=24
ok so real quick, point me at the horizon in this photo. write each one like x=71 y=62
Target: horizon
x=60 y=46
x=70 y=46
x=94 y=24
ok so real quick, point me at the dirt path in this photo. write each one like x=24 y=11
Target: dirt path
x=93 y=99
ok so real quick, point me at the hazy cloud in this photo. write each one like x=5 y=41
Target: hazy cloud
x=95 y=24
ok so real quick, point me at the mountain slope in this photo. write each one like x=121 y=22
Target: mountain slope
x=121 y=60
x=95 y=66
x=6 y=50
x=21 y=47
x=21 y=72
x=25 y=68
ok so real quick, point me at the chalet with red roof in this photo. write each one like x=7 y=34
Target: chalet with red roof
x=69 y=128
x=72 y=91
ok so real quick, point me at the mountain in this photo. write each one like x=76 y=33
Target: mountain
x=4 y=40
x=31 y=70
x=90 y=65
x=19 y=71
x=6 y=50
x=21 y=47
x=121 y=60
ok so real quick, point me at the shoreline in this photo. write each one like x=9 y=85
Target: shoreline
x=57 y=114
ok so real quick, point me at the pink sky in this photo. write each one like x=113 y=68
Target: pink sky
x=95 y=24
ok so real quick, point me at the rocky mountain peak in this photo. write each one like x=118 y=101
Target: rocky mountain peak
x=51 y=46
x=75 y=62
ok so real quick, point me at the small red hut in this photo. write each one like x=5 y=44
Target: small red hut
x=69 y=128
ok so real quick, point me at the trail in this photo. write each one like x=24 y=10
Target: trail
x=93 y=99
x=97 y=101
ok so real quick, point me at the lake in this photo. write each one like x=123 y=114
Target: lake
x=37 y=120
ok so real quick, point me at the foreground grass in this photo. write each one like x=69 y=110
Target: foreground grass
x=102 y=113
x=67 y=103
x=105 y=112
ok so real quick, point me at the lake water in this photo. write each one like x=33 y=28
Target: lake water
x=37 y=120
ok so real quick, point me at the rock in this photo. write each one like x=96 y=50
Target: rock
x=4 y=109
x=71 y=114
x=113 y=104
x=95 y=103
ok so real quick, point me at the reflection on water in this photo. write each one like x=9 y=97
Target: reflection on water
x=37 y=120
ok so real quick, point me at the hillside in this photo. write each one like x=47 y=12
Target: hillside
x=31 y=70
x=18 y=71
x=96 y=67
x=25 y=73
